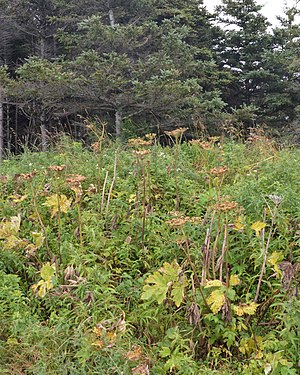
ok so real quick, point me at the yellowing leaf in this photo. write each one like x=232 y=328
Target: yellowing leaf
x=216 y=300
x=10 y=228
x=44 y=285
x=18 y=198
x=178 y=291
x=38 y=239
x=98 y=343
x=157 y=291
x=238 y=225
x=48 y=271
x=234 y=280
x=58 y=203
x=172 y=270
x=244 y=309
x=258 y=226
x=212 y=283
x=98 y=331
x=274 y=259
x=12 y=242
x=168 y=277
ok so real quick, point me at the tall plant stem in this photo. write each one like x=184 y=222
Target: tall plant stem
x=80 y=225
x=59 y=228
x=144 y=205
x=266 y=251
x=177 y=205
x=224 y=252
x=186 y=249
x=103 y=193
x=112 y=185
x=42 y=226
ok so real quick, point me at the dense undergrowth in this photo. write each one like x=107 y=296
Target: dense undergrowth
x=139 y=259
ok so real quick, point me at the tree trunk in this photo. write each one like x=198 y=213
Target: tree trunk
x=43 y=132
x=111 y=18
x=118 y=117
x=1 y=125
x=42 y=48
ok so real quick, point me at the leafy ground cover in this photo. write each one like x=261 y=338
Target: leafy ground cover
x=140 y=259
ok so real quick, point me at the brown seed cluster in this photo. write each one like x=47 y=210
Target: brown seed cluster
x=150 y=136
x=3 y=179
x=176 y=133
x=74 y=182
x=226 y=206
x=205 y=145
x=218 y=171
x=180 y=221
x=25 y=176
x=75 y=179
x=140 y=153
x=57 y=168
x=95 y=146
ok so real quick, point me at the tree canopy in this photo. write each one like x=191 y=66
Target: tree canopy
x=156 y=62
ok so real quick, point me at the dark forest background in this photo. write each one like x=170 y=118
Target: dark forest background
x=144 y=65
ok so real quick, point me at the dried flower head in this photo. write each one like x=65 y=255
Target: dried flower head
x=139 y=142
x=176 y=133
x=219 y=171
x=226 y=205
x=276 y=199
x=140 y=153
x=92 y=189
x=196 y=220
x=95 y=146
x=195 y=141
x=150 y=136
x=214 y=139
x=3 y=179
x=57 y=168
x=205 y=145
x=142 y=369
x=75 y=179
x=25 y=176
x=178 y=221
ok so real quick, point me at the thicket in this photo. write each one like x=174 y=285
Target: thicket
x=141 y=66
x=139 y=259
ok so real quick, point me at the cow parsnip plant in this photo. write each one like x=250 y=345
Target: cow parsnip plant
x=111 y=259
